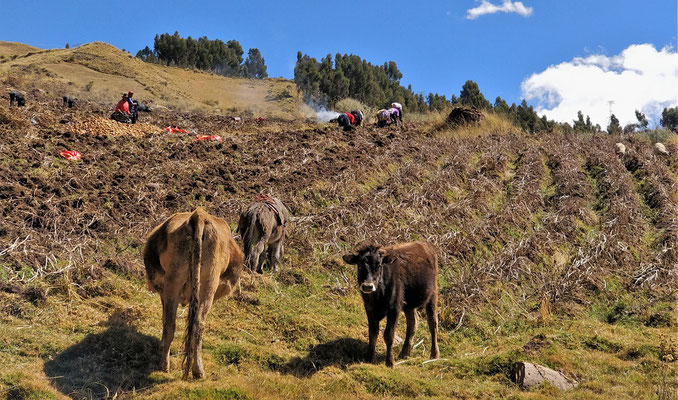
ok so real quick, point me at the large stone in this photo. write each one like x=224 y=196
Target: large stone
x=528 y=375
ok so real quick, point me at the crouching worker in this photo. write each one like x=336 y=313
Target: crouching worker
x=346 y=120
x=121 y=113
x=400 y=110
x=385 y=117
x=359 y=117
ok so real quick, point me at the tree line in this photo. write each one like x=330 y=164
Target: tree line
x=335 y=78
x=524 y=116
x=205 y=54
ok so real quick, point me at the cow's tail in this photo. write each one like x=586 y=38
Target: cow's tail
x=197 y=224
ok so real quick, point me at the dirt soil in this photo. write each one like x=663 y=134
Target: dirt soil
x=470 y=196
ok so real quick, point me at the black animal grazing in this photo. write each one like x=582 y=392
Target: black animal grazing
x=143 y=107
x=398 y=278
x=18 y=97
x=69 y=102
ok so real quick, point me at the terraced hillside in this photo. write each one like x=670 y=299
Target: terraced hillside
x=553 y=250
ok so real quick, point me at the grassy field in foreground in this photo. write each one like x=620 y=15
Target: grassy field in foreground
x=280 y=339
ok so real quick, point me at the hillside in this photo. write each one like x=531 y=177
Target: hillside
x=99 y=72
x=10 y=49
x=553 y=250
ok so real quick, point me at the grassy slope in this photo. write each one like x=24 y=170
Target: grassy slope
x=100 y=72
x=9 y=49
x=523 y=224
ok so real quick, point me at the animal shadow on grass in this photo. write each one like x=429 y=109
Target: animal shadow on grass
x=340 y=353
x=106 y=364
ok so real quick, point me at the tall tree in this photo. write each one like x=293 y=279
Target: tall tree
x=501 y=106
x=614 y=128
x=642 y=120
x=472 y=97
x=254 y=67
x=670 y=119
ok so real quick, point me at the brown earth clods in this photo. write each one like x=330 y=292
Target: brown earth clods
x=549 y=215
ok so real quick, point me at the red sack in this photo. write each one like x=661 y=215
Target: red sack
x=172 y=129
x=70 y=155
x=208 y=137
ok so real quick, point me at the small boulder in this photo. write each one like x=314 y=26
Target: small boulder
x=659 y=148
x=620 y=149
x=460 y=116
x=529 y=375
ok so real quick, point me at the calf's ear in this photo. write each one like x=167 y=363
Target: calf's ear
x=350 y=258
x=387 y=259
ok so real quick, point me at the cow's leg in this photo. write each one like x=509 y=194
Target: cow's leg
x=170 y=301
x=257 y=260
x=432 y=316
x=274 y=254
x=207 y=292
x=389 y=334
x=411 y=317
x=373 y=324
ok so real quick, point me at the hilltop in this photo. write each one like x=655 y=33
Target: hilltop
x=15 y=49
x=100 y=72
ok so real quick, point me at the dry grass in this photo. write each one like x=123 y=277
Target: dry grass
x=100 y=72
x=9 y=49
x=491 y=123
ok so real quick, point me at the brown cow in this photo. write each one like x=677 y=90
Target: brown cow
x=263 y=223
x=190 y=258
x=403 y=277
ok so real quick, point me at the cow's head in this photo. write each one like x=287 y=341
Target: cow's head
x=370 y=260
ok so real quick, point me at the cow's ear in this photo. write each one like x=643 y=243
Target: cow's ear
x=387 y=259
x=350 y=259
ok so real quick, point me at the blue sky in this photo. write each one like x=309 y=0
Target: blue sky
x=436 y=46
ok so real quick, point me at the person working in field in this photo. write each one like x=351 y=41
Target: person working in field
x=359 y=117
x=349 y=120
x=133 y=107
x=385 y=117
x=121 y=113
x=346 y=120
x=400 y=110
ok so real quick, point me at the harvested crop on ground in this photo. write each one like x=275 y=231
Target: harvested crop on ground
x=104 y=126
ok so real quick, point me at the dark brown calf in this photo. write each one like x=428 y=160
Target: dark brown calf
x=398 y=278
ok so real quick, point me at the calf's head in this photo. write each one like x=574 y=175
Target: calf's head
x=370 y=261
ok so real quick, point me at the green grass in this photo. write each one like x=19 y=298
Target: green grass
x=297 y=340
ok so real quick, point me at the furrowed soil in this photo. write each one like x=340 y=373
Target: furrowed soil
x=553 y=250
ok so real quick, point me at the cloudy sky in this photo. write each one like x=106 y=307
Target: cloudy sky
x=563 y=56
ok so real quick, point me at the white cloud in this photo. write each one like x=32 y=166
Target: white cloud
x=639 y=78
x=507 y=6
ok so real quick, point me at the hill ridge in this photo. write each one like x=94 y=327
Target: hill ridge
x=99 y=72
